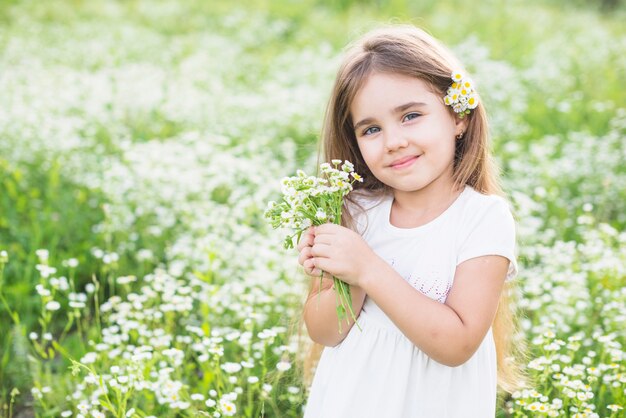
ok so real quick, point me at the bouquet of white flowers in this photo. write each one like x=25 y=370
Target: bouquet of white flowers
x=310 y=201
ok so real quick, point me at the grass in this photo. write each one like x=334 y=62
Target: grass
x=564 y=139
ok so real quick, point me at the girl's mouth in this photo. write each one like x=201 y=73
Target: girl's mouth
x=404 y=162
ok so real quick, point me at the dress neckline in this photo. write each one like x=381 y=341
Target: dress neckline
x=386 y=209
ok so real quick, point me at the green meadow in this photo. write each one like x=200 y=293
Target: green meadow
x=140 y=142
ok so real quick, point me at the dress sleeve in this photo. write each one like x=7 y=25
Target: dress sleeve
x=359 y=207
x=491 y=231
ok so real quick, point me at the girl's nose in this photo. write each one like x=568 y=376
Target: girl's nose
x=395 y=139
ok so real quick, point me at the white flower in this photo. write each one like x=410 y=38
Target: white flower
x=89 y=358
x=144 y=254
x=45 y=271
x=232 y=396
x=253 y=379
x=71 y=263
x=347 y=166
x=472 y=101
x=42 y=255
x=283 y=366
x=231 y=367
x=53 y=305
x=457 y=76
x=247 y=364
x=210 y=403
x=66 y=414
x=228 y=408
x=126 y=279
x=42 y=290
x=63 y=284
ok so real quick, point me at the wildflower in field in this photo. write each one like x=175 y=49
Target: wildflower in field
x=231 y=367
x=228 y=408
x=53 y=305
x=283 y=366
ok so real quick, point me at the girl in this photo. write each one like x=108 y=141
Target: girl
x=426 y=247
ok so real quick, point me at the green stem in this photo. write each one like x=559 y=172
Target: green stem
x=97 y=304
x=319 y=291
x=338 y=303
x=345 y=295
x=14 y=316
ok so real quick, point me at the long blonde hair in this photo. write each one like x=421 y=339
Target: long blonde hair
x=409 y=51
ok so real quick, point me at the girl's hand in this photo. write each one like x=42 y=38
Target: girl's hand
x=338 y=251
x=305 y=259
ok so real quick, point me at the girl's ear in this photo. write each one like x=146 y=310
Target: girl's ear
x=461 y=126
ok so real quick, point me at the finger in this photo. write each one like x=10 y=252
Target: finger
x=306 y=240
x=305 y=254
x=324 y=239
x=321 y=250
x=327 y=228
x=311 y=270
x=323 y=264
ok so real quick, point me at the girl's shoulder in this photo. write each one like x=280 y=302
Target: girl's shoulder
x=364 y=200
x=479 y=207
x=361 y=203
x=477 y=202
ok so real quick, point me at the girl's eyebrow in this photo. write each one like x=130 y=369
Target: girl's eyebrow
x=398 y=109
x=365 y=121
x=408 y=105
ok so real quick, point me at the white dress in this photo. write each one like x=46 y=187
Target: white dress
x=378 y=372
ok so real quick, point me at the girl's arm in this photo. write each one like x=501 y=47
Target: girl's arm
x=320 y=312
x=449 y=333
x=320 y=315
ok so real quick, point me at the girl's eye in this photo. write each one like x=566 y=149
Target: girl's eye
x=411 y=116
x=371 y=130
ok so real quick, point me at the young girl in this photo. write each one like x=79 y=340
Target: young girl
x=428 y=245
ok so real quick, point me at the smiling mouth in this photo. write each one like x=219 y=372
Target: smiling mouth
x=404 y=162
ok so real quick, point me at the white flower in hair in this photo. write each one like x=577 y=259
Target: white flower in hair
x=472 y=101
x=457 y=76
x=461 y=94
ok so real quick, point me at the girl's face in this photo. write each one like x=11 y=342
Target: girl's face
x=405 y=132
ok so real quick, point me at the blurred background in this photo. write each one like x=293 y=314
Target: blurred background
x=140 y=142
